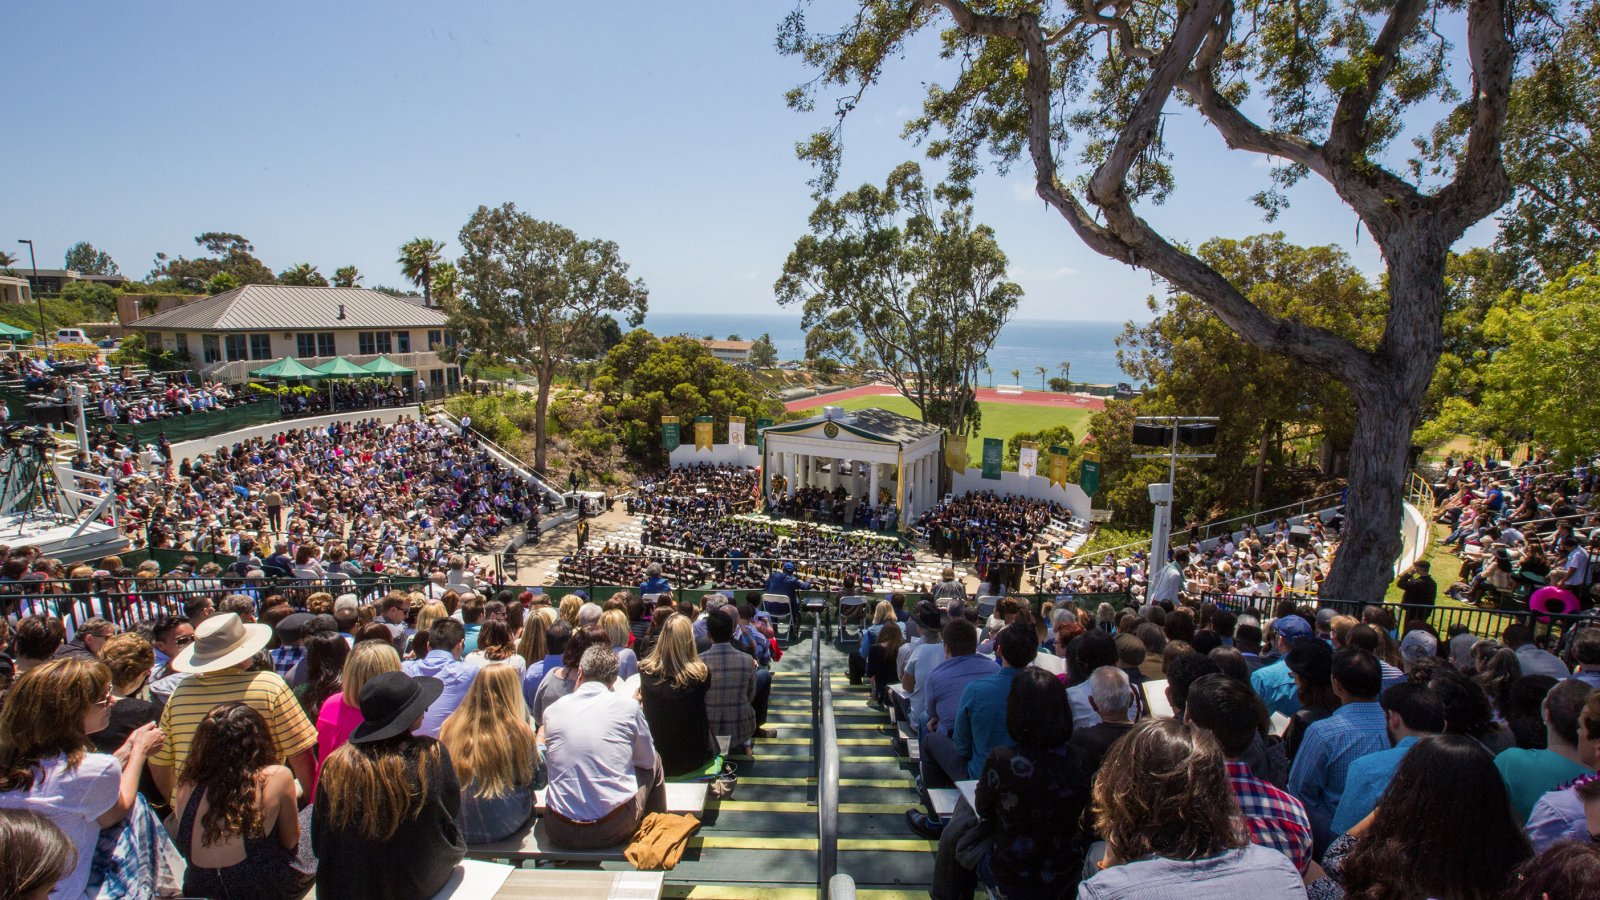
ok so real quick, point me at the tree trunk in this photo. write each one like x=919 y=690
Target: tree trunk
x=541 y=405
x=1388 y=405
x=1261 y=466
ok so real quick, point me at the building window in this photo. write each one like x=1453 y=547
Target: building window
x=370 y=343
x=308 y=344
x=260 y=346
x=211 y=348
x=235 y=346
x=402 y=341
x=435 y=339
x=183 y=342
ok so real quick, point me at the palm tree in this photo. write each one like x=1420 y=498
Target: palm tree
x=446 y=282
x=1066 y=371
x=7 y=260
x=1043 y=371
x=303 y=274
x=1016 y=377
x=346 y=276
x=989 y=370
x=418 y=258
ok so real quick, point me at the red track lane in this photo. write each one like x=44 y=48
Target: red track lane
x=986 y=395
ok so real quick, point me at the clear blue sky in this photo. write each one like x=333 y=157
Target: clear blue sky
x=331 y=132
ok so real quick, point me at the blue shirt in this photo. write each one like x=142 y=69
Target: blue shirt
x=535 y=674
x=469 y=643
x=946 y=683
x=783 y=583
x=1366 y=781
x=1330 y=746
x=981 y=720
x=656 y=585
x=1274 y=684
x=457 y=676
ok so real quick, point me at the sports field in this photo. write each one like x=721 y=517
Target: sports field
x=1000 y=420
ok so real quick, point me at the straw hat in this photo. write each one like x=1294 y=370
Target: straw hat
x=221 y=641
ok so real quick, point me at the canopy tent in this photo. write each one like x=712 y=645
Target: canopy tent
x=288 y=369
x=13 y=333
x=384 y=367
x=339 y=367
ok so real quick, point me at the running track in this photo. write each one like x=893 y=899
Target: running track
x=986 y=395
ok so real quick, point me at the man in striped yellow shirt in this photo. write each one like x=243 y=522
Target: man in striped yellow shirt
x=219 y=661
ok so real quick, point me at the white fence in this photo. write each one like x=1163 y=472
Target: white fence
x=1034 y=487
x=719 y=454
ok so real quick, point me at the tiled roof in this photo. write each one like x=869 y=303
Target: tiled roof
x=277 y=307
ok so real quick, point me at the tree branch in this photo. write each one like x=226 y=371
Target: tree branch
x=1481 y=184
x=1129 y=239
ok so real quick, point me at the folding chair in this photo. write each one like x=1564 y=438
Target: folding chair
x=852 y=611
x=986 y=605
x=780 y=609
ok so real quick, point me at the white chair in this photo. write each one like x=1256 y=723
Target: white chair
x=780 y=609
x=852 y=610
x=986 y=605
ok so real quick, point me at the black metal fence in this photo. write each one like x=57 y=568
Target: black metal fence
x=1486 y=623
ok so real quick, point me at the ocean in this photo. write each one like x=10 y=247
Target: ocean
x=1024 y=344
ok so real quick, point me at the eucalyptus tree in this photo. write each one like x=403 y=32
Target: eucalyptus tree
x=1320 y=87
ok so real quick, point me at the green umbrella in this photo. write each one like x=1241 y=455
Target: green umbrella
x=287 y=368
x=384 y=367
x=13 y=333
x=339 y=367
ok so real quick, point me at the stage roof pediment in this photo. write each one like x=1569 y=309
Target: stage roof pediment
x=876 y=426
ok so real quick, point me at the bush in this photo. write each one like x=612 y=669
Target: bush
x=1108 y=538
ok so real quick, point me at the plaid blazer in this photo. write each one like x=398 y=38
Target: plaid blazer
x=733 y=686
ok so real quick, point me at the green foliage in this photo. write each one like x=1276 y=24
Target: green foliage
x=531 y=289
x=98 y=300
x=134 y=351
x=1058 y=435
x=645 y=378
x=1541 y=383
x=1109 y=538
x=1195 y=365
x=763 y=355
x=901 y=279
x=418 y=259
x=83 y=257
x=1060 y=385
x=62 y=311
x=230 y=254
x=490 y=415
x=302 y=275
x=346 y=277
x=221 y=282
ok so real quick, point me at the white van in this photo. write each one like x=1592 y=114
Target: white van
x=72 y=336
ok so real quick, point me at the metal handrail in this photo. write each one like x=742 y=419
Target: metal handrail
x=827 y=794
x=1206 y=528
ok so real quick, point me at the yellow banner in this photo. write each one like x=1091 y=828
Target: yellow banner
x=702 y=433
x=1058 y=468
x=955 y=452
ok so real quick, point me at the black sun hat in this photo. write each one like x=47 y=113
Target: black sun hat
x=390 y=702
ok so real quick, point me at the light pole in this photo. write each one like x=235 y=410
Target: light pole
x=1169 y=430
x=45 y=332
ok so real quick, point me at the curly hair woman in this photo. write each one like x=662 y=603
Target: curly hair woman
x=238 y=826
x=1163 y=803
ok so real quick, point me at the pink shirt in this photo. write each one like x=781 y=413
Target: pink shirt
x=335 y=723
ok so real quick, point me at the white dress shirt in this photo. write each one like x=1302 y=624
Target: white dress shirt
x=594 y=739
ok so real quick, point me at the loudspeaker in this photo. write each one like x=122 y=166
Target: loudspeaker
x=1300 y=536
x=1152 y=435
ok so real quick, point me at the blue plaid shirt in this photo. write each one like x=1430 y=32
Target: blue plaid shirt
x=1328 y=749
x=284 y=659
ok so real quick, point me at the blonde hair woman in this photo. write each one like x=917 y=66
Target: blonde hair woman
x=431 y=612
x=672 y=687
x=570 y=604
x=615 y=623
x=492 y=748
x=341 y=712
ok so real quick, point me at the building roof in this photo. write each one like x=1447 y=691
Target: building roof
x=727 y=345
x=871 y=423
x=66 y=273
x=278 y=307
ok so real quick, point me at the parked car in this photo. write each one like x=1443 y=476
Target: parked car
x=72 y=336
x=108 y=344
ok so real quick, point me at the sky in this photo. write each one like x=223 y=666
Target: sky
x=331 y=133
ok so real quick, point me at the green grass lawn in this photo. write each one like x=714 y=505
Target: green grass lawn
x=1000 y=420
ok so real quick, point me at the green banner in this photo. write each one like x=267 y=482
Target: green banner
x=1089 y=476
x=762 y=424
x=994 y=450
x=670 y=435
